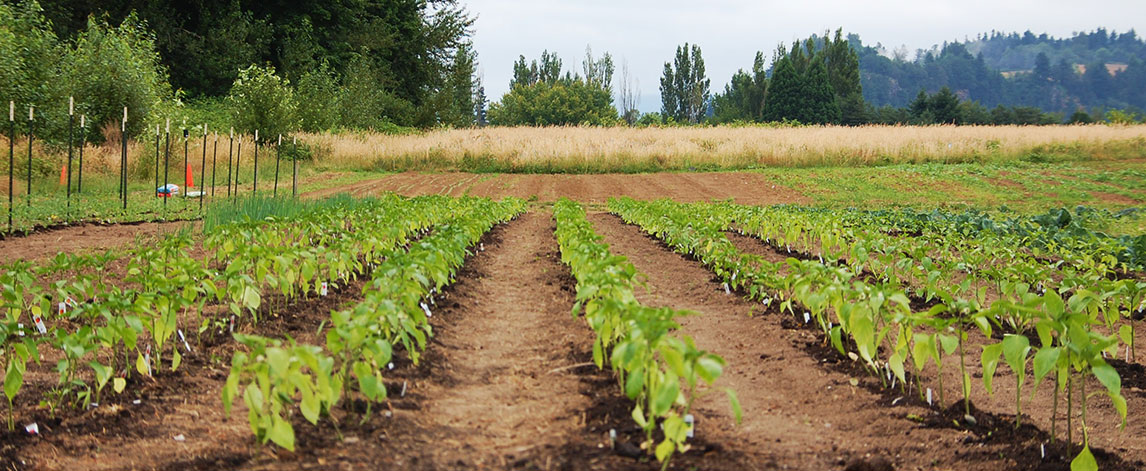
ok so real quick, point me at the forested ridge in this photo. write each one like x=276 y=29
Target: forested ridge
x=1089 y=70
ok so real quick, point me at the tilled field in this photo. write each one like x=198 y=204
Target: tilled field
x=507 y=381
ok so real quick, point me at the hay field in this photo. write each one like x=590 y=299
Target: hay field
x=623 y=149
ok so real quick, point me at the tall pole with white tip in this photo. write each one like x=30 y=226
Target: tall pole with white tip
x=68 y=169
x=123 y=156
x=294 y=184
x=11 y=157
x=83 y=140
x=31 y=121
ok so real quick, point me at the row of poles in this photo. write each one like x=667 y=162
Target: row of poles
x=233 y=155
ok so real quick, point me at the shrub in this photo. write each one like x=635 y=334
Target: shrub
x=113 y=67
x=261 y=100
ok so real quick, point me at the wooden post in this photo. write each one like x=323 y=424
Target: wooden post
x=278 y=158
x=31 y=135
x=294 y=184
x=203 y=170
x=68 y=169
x=123 y=156
x=214 y=162
x=83 y=140
x=11 y=157
x=166 y=164
x=156 y=158
x=255 y=186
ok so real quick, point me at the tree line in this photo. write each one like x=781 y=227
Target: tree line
x=391 y=64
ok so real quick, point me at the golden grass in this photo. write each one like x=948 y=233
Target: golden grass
x=589 y=149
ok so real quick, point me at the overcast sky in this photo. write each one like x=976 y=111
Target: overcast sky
x=646 y=32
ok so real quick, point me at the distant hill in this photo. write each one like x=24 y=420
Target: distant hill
x=1098 y=69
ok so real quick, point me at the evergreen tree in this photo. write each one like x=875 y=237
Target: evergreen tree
x=784 y=93
x=944 y=106
x=920 y=106
x=819 y=100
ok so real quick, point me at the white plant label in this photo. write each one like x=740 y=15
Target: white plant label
x=40 y=325
x=232 y=327
x=32 y=428
x=691 y=421
x=323 y=288
x=403 y=393
x=726 y=290
x=71 y=302
x=1042 y=451
x=147 y=359
x=929 y=396
x=390 y=366
x=481 y=245
x=62 y=309
x=767 y=301
x=807 y=318
x=426 y=309
x=184 y=340
x=20 y=329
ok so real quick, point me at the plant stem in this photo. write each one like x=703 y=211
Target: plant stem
x=965 y=379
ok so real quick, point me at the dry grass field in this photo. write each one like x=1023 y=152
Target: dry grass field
x=629 y=150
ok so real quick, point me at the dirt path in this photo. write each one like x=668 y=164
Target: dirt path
x=798 y=415
x=743 y=187
x=46 y=244
x=499 y=393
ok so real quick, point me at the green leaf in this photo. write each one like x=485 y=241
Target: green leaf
x=140 y=365
x=118 y=384
x=1108 y=376
x=950 y=343
x=1045 y=361
x=665 y=395
x=734 y=402
x=13 y=379
x=665 y=448
x=990 y=361
x=635 y=383
x=709 y=367
x=1084 y=461
x=639 y=417
x=281 y=433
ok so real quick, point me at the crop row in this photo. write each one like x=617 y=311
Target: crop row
x=275 y=376
x=873 y=322
x=110 y=322
x=658 y=370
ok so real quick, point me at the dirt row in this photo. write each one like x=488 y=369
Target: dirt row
x=507 y=383
x=743 y=187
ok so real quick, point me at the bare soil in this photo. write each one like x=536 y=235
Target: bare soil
x=47 y=243
x=743 y=187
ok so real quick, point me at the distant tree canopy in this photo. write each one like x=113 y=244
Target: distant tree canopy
x=409 y=47
x=1052 y=74
x=541 y=96
x=685 y=87
x=815 y=82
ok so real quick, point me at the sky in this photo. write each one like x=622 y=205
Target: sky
x=645 y=33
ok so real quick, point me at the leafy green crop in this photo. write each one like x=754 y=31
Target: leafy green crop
x=660 y=372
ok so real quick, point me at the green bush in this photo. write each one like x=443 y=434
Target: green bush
x=319 y=98
x=571 y=102
x=262 y=101
x=111 y=67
